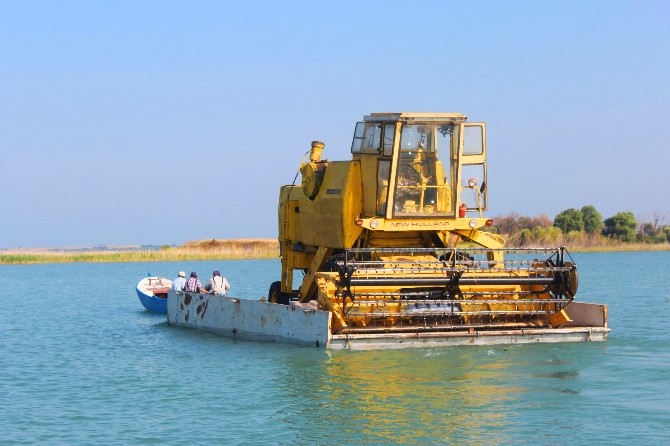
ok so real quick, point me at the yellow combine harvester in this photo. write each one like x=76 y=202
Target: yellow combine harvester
x=391 y=242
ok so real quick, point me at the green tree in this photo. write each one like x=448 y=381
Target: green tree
x=647 y=230
x=593 y=221
x=569 y=220
x=621 y=226
x=526 y=237
x=648 y=233
x=546 y=235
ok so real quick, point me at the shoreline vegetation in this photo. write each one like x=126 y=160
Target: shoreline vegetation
x=237 y=249
x=241 y=249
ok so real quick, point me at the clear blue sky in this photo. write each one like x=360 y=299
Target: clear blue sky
x=158 y=122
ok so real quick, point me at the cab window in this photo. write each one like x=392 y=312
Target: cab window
x=383 y=174
x=473 y=141
x=423 y=180
x=367 y=138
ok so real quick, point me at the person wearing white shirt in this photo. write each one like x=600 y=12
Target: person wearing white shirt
x=218 y=284
x=179 y=283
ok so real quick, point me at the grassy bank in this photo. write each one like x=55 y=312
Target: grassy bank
x=620 y=247
x=195 y=250
x=580 y=243
x=236 y=250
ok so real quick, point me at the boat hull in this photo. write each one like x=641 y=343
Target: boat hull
x=152 y=292
x=306 y=325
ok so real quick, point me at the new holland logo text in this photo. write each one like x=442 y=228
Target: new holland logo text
x=419 y=224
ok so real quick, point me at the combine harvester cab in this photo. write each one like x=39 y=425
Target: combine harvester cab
x=391 y=244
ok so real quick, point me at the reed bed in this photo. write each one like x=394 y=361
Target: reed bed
x=194 y=250
x=245 y=249
x=576 y=242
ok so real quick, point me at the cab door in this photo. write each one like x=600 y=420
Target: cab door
x=472 y=172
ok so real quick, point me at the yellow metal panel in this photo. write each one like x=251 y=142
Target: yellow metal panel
x=352 y=206
x=559 y=319
x=308 y=287
x=369 y=183
x=330 y=220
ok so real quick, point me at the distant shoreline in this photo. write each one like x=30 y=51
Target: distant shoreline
x=214 y=249
x=233 y=249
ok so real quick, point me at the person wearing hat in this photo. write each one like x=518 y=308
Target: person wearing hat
x=193 y=285
x=179 y=283
x=218 y=284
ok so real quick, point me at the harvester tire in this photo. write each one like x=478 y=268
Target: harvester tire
x=572 y=281
x=275 y=295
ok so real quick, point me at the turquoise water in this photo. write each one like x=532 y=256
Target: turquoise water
x=82 y=363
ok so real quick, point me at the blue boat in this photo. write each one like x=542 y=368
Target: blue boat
x=152 y=292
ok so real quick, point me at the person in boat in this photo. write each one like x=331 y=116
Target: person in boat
x=193 y=284
x=218 y=284
x=179 y=283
